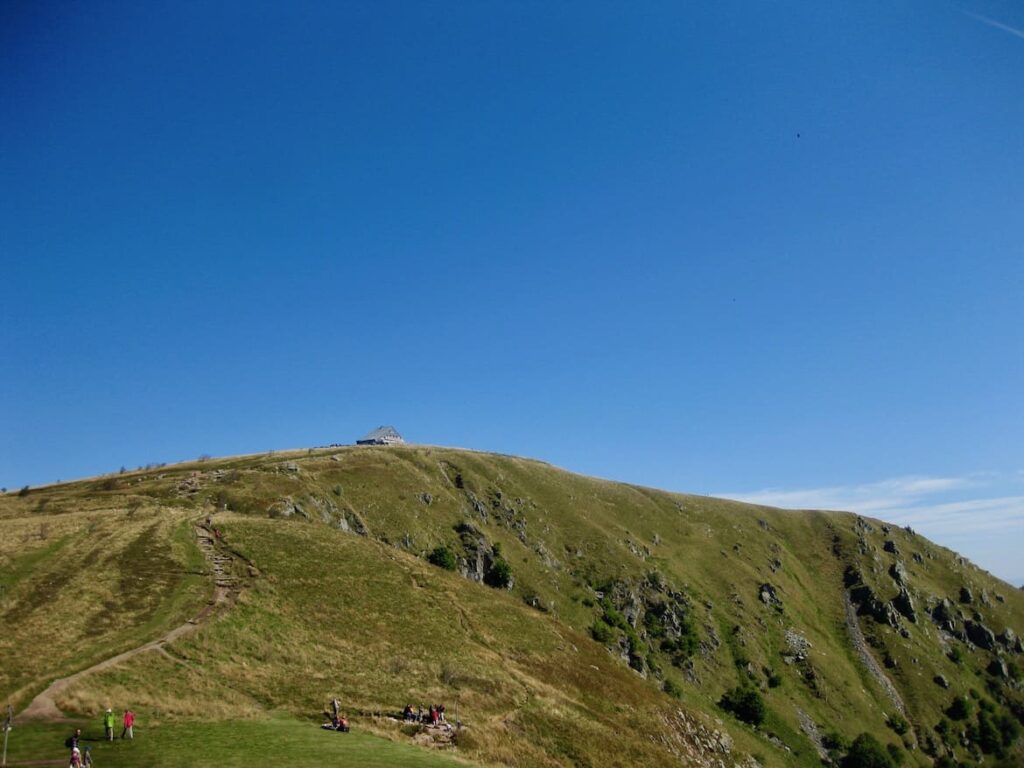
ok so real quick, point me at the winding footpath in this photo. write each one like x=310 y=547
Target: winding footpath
x=227 y=587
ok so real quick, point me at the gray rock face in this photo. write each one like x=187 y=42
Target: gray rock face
x=478 y=554
x=283 y=508
x=904 y=603
x=890 y=546
x=852 y=576
x=966 y=596
x=769 y=596
x=898 y=571
x=997 y=668
x=980 y=635
x=941 y=681
x=943 y=612
x=798 y=645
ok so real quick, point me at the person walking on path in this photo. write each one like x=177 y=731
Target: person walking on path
x=72 y=741
x=129 y=723
x=108 y=724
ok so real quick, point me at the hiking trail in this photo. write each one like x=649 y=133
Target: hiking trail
x=227 y=568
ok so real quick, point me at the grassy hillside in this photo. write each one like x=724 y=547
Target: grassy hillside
x=571 y=621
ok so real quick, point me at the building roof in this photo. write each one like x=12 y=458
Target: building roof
x=381 y=433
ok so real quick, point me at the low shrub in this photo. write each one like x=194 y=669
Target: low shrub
x=500 y=575
x=867 y=752
x=746 y=704
x=443 y=557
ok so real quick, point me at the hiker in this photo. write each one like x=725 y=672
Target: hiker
x=108 y=724
x=335 y=707
x=129 y=723
x=72 y=741
x=440 y=712
x=343 y=725
x=76 y=758
x=407 y=714
x=433 y=715
x=87 y=758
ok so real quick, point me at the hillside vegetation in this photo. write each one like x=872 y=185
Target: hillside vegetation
x=566 y=620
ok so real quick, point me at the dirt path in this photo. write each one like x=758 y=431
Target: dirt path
x=226 y=567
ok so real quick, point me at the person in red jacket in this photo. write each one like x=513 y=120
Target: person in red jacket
x=129 y=723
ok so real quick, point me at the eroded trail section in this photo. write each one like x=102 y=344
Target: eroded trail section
x=869 y=661
x=230 y=573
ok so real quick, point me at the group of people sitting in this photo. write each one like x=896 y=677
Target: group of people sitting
x=433 y=716
x=336 y=720
x=337 y=723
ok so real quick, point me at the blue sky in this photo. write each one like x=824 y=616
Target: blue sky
x=766 y=250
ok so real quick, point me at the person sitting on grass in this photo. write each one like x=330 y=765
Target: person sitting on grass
x=343 y=725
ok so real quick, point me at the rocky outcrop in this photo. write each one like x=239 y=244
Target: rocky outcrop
x=898 y=571
x=1011 y=641
x=998 y=668
x=980 y=635
x=769 y=596
x=904 y=603
x=478 y=556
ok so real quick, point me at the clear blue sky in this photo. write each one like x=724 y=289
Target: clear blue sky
x=760 y=249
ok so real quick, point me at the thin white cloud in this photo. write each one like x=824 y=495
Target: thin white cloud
x=996 y=24
x=950 y=510
x=970 y=516
x=868 y=498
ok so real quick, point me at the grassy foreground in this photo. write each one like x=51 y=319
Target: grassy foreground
x=277 y=741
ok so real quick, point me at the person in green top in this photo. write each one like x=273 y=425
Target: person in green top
x=108 y=724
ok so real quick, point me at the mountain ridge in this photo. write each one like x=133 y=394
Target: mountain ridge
x=691 y=597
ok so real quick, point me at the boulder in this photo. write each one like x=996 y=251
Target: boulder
x=980 y=635
x=890 y=546
x=997 y=668
x=966 y=596
x=941 y=681
x=852 y=576
x=942 y=613
x=1008 y=638
x=769 y=595
x=898 y=571
x=904 y=603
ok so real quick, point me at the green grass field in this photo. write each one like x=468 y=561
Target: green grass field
x=244 y=743
x=345 y=603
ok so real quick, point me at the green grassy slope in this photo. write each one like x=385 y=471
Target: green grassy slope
x=686 y=596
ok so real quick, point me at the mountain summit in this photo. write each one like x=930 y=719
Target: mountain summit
x=562 y=620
